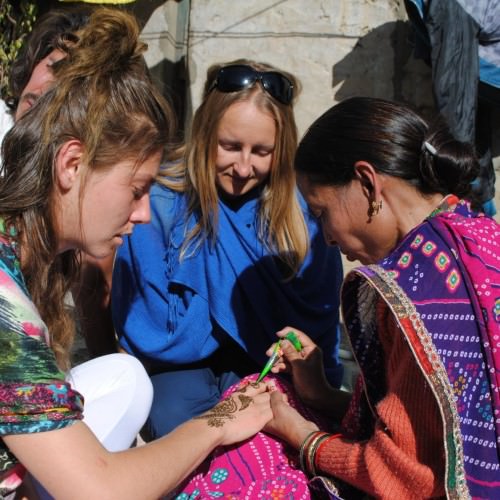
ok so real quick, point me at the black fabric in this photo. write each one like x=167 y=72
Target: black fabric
x=447 y=37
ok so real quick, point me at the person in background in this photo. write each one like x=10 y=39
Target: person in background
x=232 y=253
x=390 y=190
x=77 y=169
x=6 y=119
x=460 y=40
x=30 y=74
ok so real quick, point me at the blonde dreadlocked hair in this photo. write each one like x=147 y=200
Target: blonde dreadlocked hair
x=105 y=99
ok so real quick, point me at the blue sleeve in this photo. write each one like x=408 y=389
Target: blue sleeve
x=140 y=305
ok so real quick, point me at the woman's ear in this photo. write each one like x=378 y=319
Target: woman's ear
x=369 y=180
x=68 y=164
x=371 y=187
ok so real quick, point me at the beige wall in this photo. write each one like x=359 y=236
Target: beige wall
x=337 y=48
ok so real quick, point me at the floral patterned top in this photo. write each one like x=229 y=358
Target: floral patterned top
x=34 y=396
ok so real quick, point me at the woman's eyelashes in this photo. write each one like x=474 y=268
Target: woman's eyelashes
x=316 y=213
x=259 y=150
x=263 y=152
x=142 y=188
x=229 y=146
x=139 y=192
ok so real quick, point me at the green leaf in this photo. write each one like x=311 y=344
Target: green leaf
x=16 y=22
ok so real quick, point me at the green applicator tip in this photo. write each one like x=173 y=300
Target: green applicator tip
x=292 y=337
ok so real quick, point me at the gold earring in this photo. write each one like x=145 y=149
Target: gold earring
x=376 y=207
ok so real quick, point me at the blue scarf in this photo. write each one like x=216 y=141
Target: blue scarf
x=179 y=311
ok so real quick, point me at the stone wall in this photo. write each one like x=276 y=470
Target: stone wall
x=337 y=49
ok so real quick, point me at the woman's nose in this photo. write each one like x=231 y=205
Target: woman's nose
x=243 y=166
x=142 y=211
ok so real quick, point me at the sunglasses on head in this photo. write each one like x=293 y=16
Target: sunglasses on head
x=240 y=76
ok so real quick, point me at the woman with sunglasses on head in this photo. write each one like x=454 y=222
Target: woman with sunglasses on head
x=232 y=252
x=77 y=170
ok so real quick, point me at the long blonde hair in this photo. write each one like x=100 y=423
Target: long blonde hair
x=105 y=99
x=282 y=226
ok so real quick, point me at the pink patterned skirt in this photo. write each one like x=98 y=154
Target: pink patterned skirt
x=261 y=467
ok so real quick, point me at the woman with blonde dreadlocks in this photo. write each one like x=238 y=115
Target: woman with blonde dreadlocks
x=77 y=169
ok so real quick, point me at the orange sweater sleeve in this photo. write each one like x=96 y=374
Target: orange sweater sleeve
x=405 y=456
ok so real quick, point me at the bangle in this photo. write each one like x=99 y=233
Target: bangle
x=308 y=449
x=311 y=452
x=317 y=450
x=303 y=448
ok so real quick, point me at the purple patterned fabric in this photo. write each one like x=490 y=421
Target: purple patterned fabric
x=433 y=283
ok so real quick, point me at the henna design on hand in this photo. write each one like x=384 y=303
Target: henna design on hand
x=244 y=388
x=220 y=412
x=245 y=401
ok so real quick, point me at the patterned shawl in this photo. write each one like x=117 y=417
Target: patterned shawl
x=443 y=285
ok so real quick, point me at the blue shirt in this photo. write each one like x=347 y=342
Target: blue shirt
x=172 y=311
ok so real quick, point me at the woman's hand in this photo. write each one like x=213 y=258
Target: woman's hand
x=242 y=414
x=287 y=423
x=306 y=368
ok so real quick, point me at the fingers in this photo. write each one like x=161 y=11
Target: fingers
x=289 y=351
x=259 y=406
x=280 y=367
x=277 y=397
x=252 y=400
x=242 y=414
x=252 y=388
x=259 y=391
x=301 y=336
x=271 y=349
